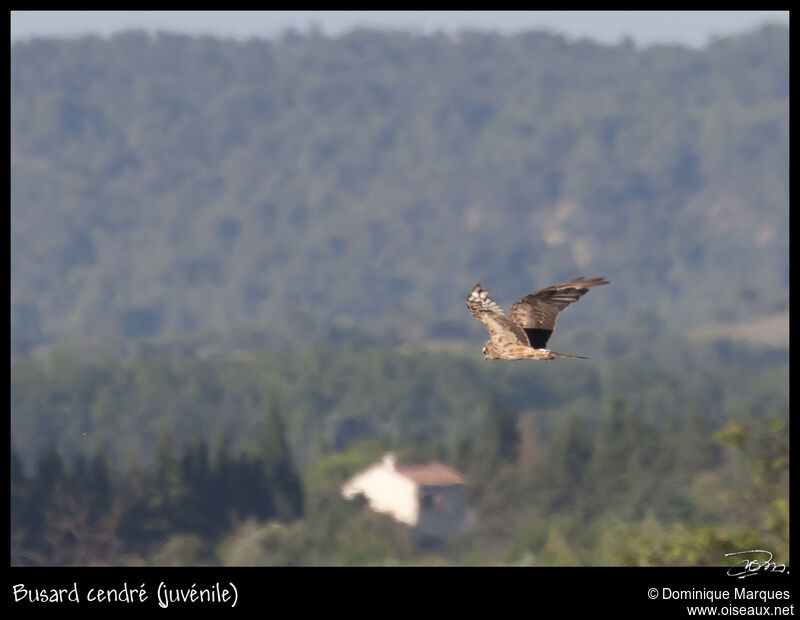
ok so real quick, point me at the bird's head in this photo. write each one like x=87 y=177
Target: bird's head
x=490 y=351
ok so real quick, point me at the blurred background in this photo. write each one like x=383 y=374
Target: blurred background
x=241 y=244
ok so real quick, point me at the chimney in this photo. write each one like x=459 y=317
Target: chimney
x=389 y=460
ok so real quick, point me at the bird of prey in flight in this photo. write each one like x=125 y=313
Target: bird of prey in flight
x=524 y=333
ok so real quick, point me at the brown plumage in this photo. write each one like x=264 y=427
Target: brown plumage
x=524 y=334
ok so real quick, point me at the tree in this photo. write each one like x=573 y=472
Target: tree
x=499 y=442
x=279 y=469
x=198 y=512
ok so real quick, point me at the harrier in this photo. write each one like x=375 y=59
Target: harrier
x=524 y=334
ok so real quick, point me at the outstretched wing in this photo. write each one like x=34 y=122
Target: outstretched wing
x=537 y=312
x=501 y=327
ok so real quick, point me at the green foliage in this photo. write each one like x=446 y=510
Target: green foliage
x=279 y=469
x=617 y=490
x=499 y=437
x=401 y=397
x=168 y=511
x=650 y=543
x=182 y=550
x=332 y=470
x=274 y=544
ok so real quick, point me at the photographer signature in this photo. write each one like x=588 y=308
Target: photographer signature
x=748 y=567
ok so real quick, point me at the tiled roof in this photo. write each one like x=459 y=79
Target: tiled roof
x=431 y=474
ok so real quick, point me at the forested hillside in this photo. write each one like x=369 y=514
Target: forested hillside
x=666 y=456
x=163 y=185
x=335 y=395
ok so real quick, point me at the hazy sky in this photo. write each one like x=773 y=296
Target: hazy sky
x=645 y=27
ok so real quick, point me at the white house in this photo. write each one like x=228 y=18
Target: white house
x=425 y=496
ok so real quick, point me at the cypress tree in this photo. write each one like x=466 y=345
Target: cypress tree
x=500 y=440
x=279 y=468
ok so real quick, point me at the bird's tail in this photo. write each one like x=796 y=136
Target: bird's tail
x=577 y=357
